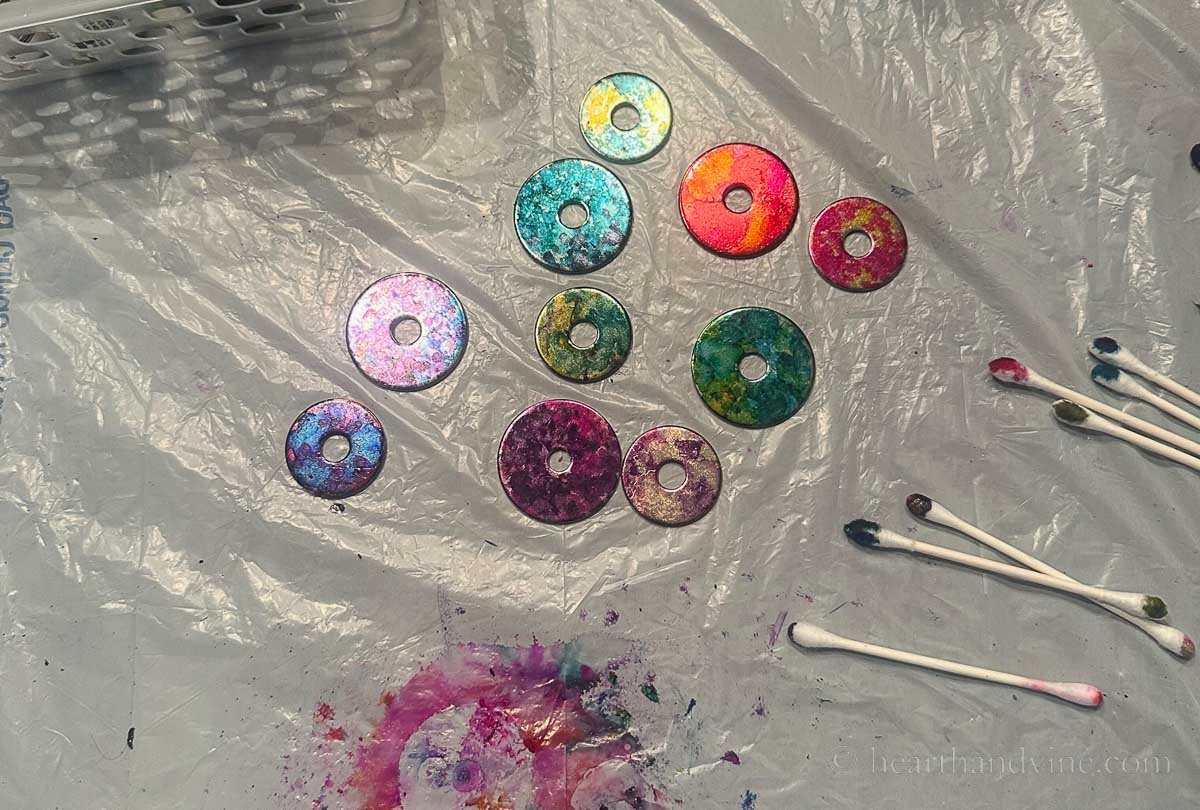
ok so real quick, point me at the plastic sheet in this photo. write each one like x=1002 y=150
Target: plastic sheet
x=184 y=626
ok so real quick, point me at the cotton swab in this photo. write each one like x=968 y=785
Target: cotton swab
x=810 y=636
x=1070 y=413
x=1169 y=638
x=1108 y=350
x=1114 y=379
x=869 y=534
x=1008 y=370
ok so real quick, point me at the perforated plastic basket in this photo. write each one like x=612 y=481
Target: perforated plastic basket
x=197 y=95
x=43 y=40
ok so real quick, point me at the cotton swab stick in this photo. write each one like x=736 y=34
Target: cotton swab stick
x=1108 y=350
x=1114 y=379
x=810 y=636
x=869 y=534
x=1169 y=638
x=1070 y=413
x=1006 y=369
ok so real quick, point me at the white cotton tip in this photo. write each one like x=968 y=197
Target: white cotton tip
x=809 y=635
x=1116 y=380
x=1111 y=352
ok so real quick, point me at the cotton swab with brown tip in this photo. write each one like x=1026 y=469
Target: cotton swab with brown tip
x=809 y=636
x=1171 y=639
x=870 y=534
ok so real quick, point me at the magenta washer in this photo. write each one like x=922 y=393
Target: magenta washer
x=524 y=461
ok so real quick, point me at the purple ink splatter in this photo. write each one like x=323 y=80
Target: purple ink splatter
x=731 y=757
x=492 y=728
x=611 y=617
x=776 y=629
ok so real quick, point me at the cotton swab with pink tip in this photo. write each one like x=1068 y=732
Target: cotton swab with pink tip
x=809 y=636
x=1169 y=638
x=1008 y=370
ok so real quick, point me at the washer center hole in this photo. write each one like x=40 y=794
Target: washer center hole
x=583 y=335
x=573 y=215
x=625 y=116
x=406 y=330
x=560 y=462
x=738 y=199
x=335 y=448
x=672 y=476
x=753 y=367
x=858 y=243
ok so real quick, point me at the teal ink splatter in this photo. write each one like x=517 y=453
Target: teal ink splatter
x=732 y=337
x=650 y=692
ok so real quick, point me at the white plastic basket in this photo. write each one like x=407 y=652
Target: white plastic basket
x=380 y=81
x=44 y=40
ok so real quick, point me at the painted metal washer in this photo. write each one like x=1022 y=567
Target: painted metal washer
x=614 y=334
x=773 y=200
x=730 y=338
x=335 y=479
x=524 y=461
x=572 y=181
x=827 y=244
x=435 y=352
x=625 y=145
x=662 y=445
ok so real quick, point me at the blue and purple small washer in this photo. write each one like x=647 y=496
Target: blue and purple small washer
x=352 y=474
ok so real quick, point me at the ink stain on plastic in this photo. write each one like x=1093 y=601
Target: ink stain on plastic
x=485 y=726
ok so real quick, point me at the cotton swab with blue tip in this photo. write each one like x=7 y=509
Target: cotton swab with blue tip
x=1171 y=639
x=809 y=636
x=1008 y=370
x=1111 y=352
x=869 y=534
x=1075 y=415
x=1116 y=380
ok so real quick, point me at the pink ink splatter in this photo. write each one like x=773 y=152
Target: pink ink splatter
x=497 y=728
x=323 y=712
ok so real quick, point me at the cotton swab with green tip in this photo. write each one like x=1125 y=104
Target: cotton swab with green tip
x=1075 y=415
x=1172 y=639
